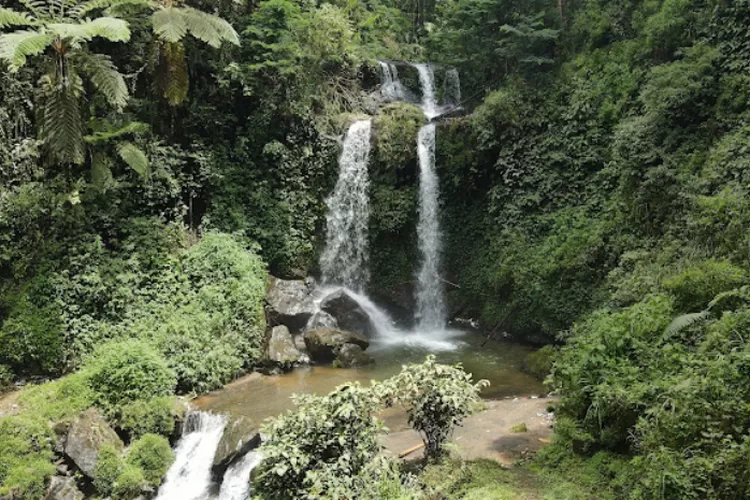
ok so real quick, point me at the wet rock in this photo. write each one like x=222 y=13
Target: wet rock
x=347 y=312
x=240 y=437
x=352 y=356
x=324 y=345
x=321 y=319
x=88 y=432
x=290 y=302
x=63 y=488
x=281 y=348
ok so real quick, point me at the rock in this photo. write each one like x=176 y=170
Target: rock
x=347 y=312
x=88 y=432
x=281 y=348
x=291 y=302
x=352 y=356
x=240 y=436
x=321 y=319
x=324 y=345
x=63 y=488
x=299 y=342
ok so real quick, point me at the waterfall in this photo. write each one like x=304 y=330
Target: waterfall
x=236 y=484
x=390 y=86
x=344 y=260
x=452 y=88
x=431 y=311
x=189 y=477
x=427 y=82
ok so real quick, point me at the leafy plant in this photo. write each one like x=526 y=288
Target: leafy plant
x=436 y=397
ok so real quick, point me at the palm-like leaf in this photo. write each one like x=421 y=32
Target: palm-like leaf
x=684 y=321
x=134 y=157
x=10 y=17
x=60 y=119
x=104 y=75
x=110 y=133
x=172 y=76
x=110 y=28
x=92 y=5
x=17 y=46
x=171 y=24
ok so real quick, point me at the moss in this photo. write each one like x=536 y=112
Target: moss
x=130 y=482
x=396 y=129
x=109 y=464
x=153 y=456
x=153 y=416
x=519 y=428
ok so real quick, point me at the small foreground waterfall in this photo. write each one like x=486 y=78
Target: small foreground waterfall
x=189 y=478
x=431 y=313
x=344 y=260
x=236 y=484
x=390 y=86
x=427 y=82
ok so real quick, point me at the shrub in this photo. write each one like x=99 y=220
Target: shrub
x=123 y=372
x=696 y=285
x=436 y=398
x=142 y=417
x=539 y=362
x=130 y=483
x=6 y=377
x=25 y=456
x=109 y=464
x=325 y=447
x=152 y=455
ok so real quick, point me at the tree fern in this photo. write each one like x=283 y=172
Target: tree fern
x=16 y=47
x=110 y=132
x=169 y=24
x=105 y=77
x=92 y=5
x=208 y=28
x=173 y=78
x=110 y=28
x=60 y=120
x=134 y=157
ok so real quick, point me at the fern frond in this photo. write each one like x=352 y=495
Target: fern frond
x=86 y=7
x=60 y=119
x=109 y=28
x=104 y=75
x=172 y=74
x=109 y=134
x=684 y=321
x=17 y=46
x=10 y=17
x=134 y=157
x=40 y=8
x=208 y=28
x=169 y=24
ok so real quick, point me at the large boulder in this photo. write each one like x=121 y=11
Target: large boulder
x=87 y=434
x=63 y=488
x=282 y=349
x=348 y=314
x=321 y=319
x=324 y=345
x=240 y=436
x=352 y=356
x=290 y=302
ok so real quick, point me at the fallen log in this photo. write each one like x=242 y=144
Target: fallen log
x=410 y=450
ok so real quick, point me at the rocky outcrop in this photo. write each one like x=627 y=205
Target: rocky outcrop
x=324 y=345
x=88 y=432
x=352 y=356
x=240 y=436
x=348 y=313
x=290 y=302
x=321 y=319
x=282 y=350
x=63 y=488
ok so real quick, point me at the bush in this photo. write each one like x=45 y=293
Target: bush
x=326 y=447
x=109 y=464
x=696 y=285
x=130 y=483
x=436 y=398
x=539 y=363
x=152 y=455
x=143 y=417
x=123 y=372
x=25 y=456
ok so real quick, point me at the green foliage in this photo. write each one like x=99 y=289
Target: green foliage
x=695 y=286
x=436 y=397
x=129 y=484
x=326 y=447
x=109 y=464
x=153 y=416
x=129 y=371
x=25 y=456
x=539 y=362
x=152 y=455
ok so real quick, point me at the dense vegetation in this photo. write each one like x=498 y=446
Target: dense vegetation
x=156 y=159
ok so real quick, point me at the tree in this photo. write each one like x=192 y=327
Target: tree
x=62 y=28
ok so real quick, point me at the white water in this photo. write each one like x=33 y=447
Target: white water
x=431 y=311
x=189 y=478
x=390 y=86
x=344 y=260
x=427 y=82
x=236 y=484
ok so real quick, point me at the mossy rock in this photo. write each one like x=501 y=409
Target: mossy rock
x=539 y=363
x=395 y=131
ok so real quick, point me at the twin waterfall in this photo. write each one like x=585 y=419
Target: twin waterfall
x=344 y=260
